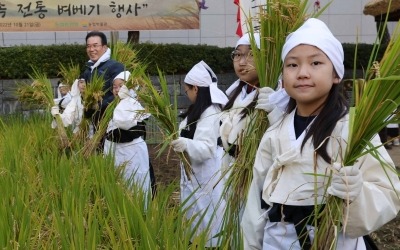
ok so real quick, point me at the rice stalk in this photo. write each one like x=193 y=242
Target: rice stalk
x=69 y=73
x=52 y=200
x=125 y=54
x=40 y=93
x=80 y=137
x=91 y=145
x=93 y=94
x=376 y=98
x=158 y=104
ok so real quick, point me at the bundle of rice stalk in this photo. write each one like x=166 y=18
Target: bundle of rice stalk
x=378 y=98
x=40 y=93
x=277 y=19
x=138 y=74
x=91 y=145
x=93 y=93
x=69 y=72
x=125 y=54
x=80 y=137
x=158 y=104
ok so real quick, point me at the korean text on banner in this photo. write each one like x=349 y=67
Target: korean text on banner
x=83 y=15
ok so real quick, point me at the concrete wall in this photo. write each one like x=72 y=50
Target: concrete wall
x=218 y=27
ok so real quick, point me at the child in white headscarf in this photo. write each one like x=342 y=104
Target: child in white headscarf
x=242 y=100
x=73 y=113
x=244 y=96
x=198 y=138
x=124 y=135
x=296 y=155
x=63 y=96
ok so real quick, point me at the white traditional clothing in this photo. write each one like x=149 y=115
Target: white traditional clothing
x=201 y=193
x=63 y=101
x=292 y=180
x=73 y=113
x=134 y=153
x=285 y=176
x=239 y=124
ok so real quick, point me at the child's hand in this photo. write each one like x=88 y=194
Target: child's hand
x=55 y=110
x=179 y=145
x=123 y=92
x=225 y=130
x=346 y=182
x=263 y=102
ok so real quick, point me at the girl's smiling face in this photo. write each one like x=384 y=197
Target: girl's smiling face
x=308 y=76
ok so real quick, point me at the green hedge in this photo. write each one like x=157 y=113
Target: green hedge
x=16 y=62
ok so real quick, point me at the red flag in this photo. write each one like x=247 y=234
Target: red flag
x=239 y=31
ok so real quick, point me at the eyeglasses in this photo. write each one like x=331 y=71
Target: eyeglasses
x=237 y=56
x=94 y=46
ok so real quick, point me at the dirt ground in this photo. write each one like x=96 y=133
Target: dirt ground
x=166 y=170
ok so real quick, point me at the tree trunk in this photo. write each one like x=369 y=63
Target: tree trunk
x=133 y=36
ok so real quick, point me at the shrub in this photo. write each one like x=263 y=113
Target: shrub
x=16 y=62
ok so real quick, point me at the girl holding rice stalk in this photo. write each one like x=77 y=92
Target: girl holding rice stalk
x=63 y=95
x=124 y=135
x=299 y=160
x=243 y=98
x=198 y=138
x=73 y=113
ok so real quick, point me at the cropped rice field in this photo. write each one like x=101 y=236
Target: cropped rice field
x=58 y=199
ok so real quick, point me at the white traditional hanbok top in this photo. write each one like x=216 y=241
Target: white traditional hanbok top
x=284 y=175
x=204 y=191
x=130 y=151
x=239 y=125
x=73 y=113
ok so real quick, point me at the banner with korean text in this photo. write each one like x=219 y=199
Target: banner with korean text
x=84 y=15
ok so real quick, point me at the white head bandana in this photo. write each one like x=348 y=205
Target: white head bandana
x=124 y=75
x=245 y=40
x=315 y=32
x=201 y=75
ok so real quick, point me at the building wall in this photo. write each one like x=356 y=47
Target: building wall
x=218 y=27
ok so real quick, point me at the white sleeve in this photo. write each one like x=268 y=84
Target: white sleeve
x=204 y=143
x=378 y=202
x=68 y=116
x=275 y=115
x=126 y=114
x=66 y=100
x=253 y=221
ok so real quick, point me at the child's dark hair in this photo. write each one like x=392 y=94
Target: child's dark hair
x=336 y=106
x=193 y=113
x=232 y=97
x=99 y=34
